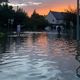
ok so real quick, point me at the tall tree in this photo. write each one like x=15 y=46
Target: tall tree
x=6 y=13
x=71 y=15
x=38 y=22
x=71 y=20
x=21 y=18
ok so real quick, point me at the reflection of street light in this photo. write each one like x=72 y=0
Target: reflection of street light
x=78 y=20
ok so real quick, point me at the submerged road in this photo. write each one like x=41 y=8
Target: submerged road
x=39 y=56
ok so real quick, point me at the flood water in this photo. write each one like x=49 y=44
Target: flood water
x=39 y=56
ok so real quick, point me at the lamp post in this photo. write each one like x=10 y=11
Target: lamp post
x=78 y=20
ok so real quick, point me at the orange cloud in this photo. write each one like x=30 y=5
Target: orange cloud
x=43 y=9
x=43 y=6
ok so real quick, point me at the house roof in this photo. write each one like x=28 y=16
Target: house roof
x=59 y=15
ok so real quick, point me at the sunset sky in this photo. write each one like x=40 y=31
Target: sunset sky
x=43 y=6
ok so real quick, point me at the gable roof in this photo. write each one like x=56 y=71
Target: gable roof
x=59 y=15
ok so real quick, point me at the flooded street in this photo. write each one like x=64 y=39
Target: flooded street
x=39 y=56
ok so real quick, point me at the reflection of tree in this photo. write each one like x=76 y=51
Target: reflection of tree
x=78 y=59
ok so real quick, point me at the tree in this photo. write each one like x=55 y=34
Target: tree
x=71 y=14
x=71 y=20
x=21 y=18
x=6 y=13
x=71 y=10
x=38 y=22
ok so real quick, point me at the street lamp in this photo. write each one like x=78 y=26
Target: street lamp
x=78 y=20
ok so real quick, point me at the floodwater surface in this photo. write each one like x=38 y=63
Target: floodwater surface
x=39 y=56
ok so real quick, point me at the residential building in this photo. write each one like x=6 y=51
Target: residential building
x=57 y=19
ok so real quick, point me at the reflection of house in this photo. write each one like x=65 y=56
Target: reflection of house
x=56 y=18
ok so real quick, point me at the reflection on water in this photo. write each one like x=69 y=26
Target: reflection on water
x=39 y=56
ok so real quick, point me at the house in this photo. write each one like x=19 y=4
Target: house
x=56 y=19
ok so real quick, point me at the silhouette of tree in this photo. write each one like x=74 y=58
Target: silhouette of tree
x=71 y=18
x=6 y=12
x=71 y=10
x=21 y=18
x=71 y=14
x=38 y=22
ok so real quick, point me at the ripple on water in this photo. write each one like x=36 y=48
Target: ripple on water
x=38 y=57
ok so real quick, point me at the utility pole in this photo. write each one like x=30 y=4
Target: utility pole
x=78 y=29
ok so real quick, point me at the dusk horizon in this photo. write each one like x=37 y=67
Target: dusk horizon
x=43 y=7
